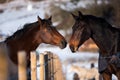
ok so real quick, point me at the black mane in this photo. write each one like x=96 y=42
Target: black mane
x=101 y=21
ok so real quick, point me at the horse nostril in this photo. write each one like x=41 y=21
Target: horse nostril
x=64 y=43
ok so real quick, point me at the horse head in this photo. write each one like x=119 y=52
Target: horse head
x=80 y=32
x=48 y=33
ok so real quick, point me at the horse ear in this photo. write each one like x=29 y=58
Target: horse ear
x=74 y=16
x=39 y=19
x=80 y=14
x=50 y=18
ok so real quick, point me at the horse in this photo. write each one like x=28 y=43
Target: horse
x=28 y=39
x=105 y=36
x=84 y=73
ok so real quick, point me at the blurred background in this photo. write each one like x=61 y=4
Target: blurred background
x=15 y=13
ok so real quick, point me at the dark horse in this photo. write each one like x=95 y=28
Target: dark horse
x=28 y=39
x=106 y=37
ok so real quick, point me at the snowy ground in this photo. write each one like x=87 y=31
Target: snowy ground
x=19 y=12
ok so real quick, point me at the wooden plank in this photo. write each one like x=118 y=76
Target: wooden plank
x=55 y=67
x=58 y=74
x=50 y=65
x=22 y=71
x=33 y=65
x=42 y=67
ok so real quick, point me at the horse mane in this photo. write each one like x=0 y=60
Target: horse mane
x=101 y=21
x=27 y=27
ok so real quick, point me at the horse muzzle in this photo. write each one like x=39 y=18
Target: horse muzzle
x=73 y=49
x=63 y=44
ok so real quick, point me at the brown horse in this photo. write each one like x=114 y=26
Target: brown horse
x=106 y=37
x=29 y=37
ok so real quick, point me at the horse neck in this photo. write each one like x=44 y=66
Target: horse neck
x=104 y=38
x=26 y=43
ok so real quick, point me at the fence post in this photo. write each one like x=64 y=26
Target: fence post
x=22 y=70
x=33 y=65
x=58 y=68
x=4 y=63
x=51 y=66
x=42 y=64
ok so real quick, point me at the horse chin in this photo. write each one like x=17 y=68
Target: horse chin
x=63 y=45
x=73 y=51
x=76 y=49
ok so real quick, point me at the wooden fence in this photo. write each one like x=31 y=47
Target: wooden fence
x=48 y=63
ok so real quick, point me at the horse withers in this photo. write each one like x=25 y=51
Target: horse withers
x=28 y=39
x=106 y=37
